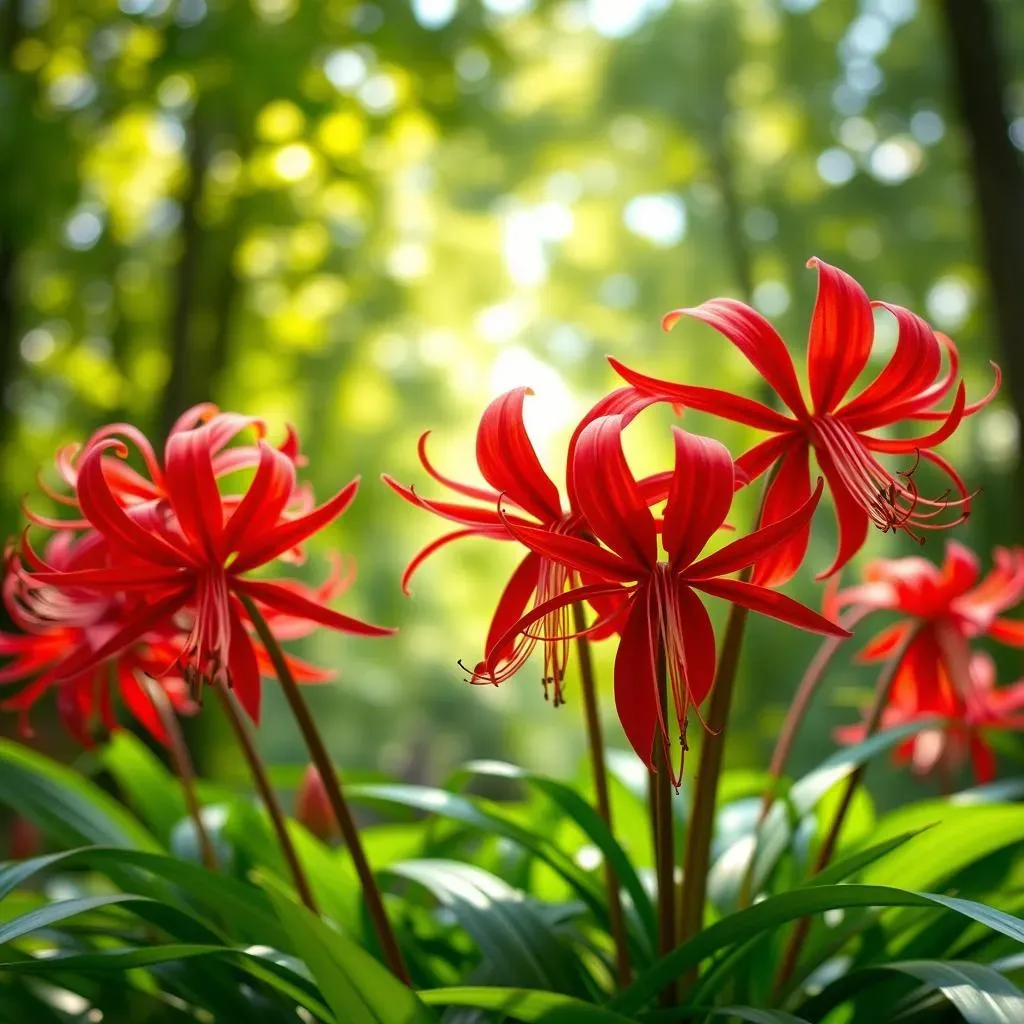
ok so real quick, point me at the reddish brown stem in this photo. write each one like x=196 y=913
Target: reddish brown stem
x=183 y=768
x=259 y=775
x=335 y=796
x=595 y=743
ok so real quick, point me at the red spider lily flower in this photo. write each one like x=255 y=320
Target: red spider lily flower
x=838 y=428
x=968 y=715
x=945 y=607
x=134 y=488
x=55 y=622
x=664 y=612
x=313 y=809
x=509 y=464
x=184 y=560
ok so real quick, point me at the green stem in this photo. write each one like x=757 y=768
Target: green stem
x=595 y=742
x=335 y=796
x=828 y=847
x=182 y=767
x=259 y=775
x=664 y=831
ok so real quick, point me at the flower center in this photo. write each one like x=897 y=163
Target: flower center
x=205 y=654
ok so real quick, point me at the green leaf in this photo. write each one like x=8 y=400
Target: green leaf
x=260 y=965
x=357 y=988
x=69 y=808
x=805 y=793
x=512 y=936
x=589 y=822
x=525 y=1005
x=61 y=910
x=777 y=910
x=246 y=908
x=746 y=1013
x=148 y=787
x=487 y=817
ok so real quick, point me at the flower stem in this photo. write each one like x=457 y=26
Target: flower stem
x=335 y=796
x=595 y=741
x=794 y=719
x=702 y=813
x=664 y=831
x=259 y=775
x=874 y=719
x=182 y=767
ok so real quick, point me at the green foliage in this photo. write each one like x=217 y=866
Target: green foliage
x=132 y=926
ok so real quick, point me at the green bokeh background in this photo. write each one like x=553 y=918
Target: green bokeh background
x=367 y=219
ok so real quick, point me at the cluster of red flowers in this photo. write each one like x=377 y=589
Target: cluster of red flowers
x=151 y=576
x=149 y=583
x=939 y=672
x=604 y=548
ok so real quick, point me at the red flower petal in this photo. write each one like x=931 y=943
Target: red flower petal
x=102 y=509
x=914 y=365
x=983 y=760
x=770 y=602
x=192 y=490
x=1007 y=631
x=521 y=586
x=747 y=550
x=284 y=600
x=699 y=497
x=608 y=496
x=287 y=535
x=852 y=520
x=790 y=489
x=636 y=686
x=886 y=643
x=243 y=668
x=507 y=459
x=936 y=437
x=466 y=490
x=720 y=403
x=625 y=402
x=424 y=553
x=756 y=339
x=753 y=462
x=698 y=639
x=582 y=555
x=466 y=515
x=971 y=407
x=264 y=502
x=842 y=331
x=140 y=704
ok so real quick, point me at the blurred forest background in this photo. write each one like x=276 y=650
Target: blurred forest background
x=368 y=218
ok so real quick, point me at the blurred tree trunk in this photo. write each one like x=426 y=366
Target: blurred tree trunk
x=10 y=35
x=998 y=176
x=180 y=390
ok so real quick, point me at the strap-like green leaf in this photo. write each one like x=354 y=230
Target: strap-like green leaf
x=357 y=988
x=65 y=805
x=525 y=1005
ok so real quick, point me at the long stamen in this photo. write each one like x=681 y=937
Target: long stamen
x=892 y=501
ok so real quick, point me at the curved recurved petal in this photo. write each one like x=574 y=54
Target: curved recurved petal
x=699 y=497
x=584 y=556
x=909 y=444
x=624 y=402
x=755 y=338
x=102 y=509
x=750 y=549
x=636 y=685
x=609 y=498
x=884 y=644
x=842 y=330
x=288 y=535
x=1007 y=631
x=292 y=603
x=507 y=459
x=447 y=538
x=712 y=400
x=772 y=603
x=466 y=490
x=914 y=366
x=264 y=501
